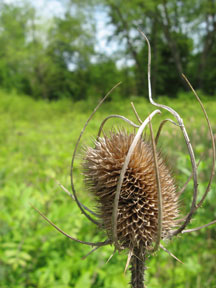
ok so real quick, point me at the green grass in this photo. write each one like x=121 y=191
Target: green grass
x=36 y=145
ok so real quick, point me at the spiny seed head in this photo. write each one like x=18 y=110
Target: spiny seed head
x=137 y=220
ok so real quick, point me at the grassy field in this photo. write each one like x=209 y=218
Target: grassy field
x=36 y=145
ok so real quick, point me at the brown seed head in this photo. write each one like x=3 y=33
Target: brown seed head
x=137 y=220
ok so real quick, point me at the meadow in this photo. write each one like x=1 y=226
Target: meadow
x=37 y=139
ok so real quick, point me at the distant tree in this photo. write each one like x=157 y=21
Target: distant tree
x=66 y=58
x=170 y=25
x=46 y=62
x=14 y=52
x=153 y=17
x=206 y=11
x=56 y=57
x=102 y=75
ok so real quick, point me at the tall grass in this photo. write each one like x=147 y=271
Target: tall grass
x=36 y=143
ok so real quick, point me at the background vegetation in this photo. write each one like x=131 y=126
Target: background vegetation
x=58 y=55
x=57 y=58
x=37 y=140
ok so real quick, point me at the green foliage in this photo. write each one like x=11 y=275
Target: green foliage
x=58 y=57
x=36 y=143
x=13 y=34
x=46 y=60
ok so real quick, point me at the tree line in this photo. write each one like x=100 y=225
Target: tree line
x=56 y=57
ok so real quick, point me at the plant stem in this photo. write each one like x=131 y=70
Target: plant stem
x=138 y=269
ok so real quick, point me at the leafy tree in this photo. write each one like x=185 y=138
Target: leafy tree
x=44 y=62
x=14 y=52
x=51 y=58
x=69 y=49
x=153 y=17
x=102 y=76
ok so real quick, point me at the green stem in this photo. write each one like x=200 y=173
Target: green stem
x=138 y=269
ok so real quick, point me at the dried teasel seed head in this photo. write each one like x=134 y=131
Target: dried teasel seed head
x=137 y=220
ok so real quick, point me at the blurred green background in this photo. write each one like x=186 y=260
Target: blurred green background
x=57 y=59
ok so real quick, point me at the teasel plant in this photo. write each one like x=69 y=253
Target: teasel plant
x=136 y=194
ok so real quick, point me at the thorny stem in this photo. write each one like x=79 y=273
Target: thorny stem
x=138 y=269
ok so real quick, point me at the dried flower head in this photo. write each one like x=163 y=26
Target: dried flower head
x=137 y=221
